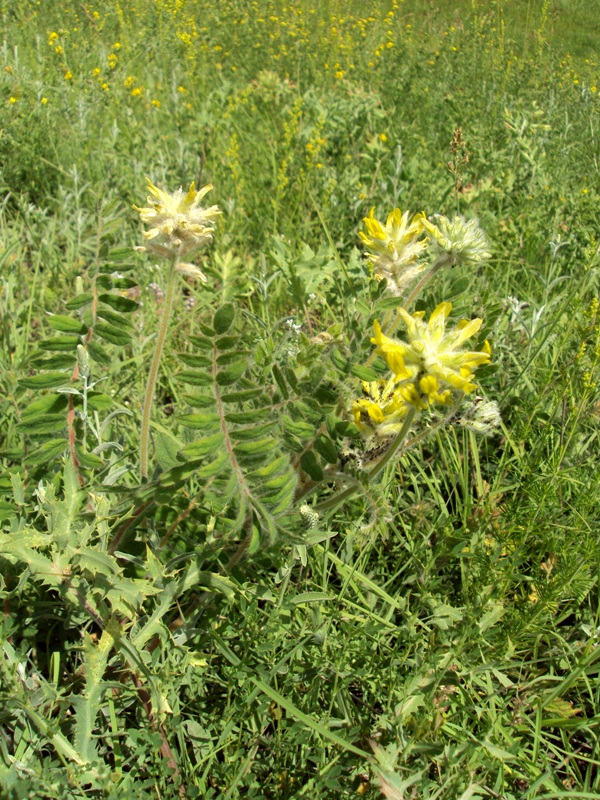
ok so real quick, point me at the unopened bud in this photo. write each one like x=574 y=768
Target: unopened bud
x=310 y=516
x=83 y=361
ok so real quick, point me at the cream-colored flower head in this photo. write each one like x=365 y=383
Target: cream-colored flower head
x=381 y=411
x=431 y=364
x=394 y=249
x=178 y=224
x=458 y=241
x=483 y=417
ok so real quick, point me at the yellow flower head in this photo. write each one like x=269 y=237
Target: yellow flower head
x=395 y=247
x=179 y=224
x=381 y=411
x=432 y=363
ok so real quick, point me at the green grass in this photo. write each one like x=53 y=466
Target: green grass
x=439 y=633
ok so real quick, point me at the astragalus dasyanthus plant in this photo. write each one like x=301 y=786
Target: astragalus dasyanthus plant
x=263 y=446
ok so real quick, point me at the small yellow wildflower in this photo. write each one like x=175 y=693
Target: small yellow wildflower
x=156 y=103
x=95 y=72
x=12 y=100
x=105 y=86
x=431 y=363
x=181 y=89
x=128 y=81
x=117 y=46
x=68 y=75
x=58 y=50
x=44 y=100
x=137 y=91
x=382 y=137
x=52 y=37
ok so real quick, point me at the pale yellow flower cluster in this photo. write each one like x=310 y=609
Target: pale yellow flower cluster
x=426 y=369
x=179 y=225
x=394 y=249
x=398 y=250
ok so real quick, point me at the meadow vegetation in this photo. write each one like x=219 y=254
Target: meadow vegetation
x=291 y=568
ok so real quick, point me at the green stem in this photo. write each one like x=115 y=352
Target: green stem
x=425 y=279
x=152 y=376
x=336 y=499
x=395 y=445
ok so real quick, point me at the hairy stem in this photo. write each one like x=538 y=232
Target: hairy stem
x=152 y=376
x=333 y=501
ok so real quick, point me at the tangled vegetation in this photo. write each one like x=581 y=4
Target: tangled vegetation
x=298 y=456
